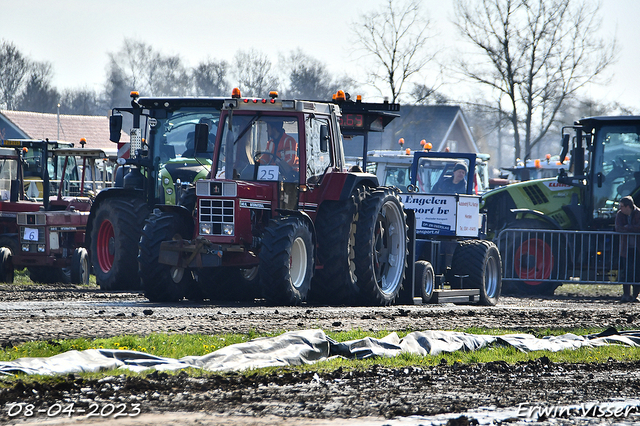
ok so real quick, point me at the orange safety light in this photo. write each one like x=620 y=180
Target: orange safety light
x=235 y=93
x=359 y=98
x=408 y=151
x=548 y=157
x=536 y=163
x=134 y=94
x=401 y=142
x=566 y=158
x=340 y=96
x=83 y=140
x=428 y=146
x=273 y=94
x=25 y=149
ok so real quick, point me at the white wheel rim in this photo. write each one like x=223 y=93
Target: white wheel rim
x=397 y=246
x=491 y=277
x=298 y=262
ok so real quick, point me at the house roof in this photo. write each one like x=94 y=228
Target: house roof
x=34 y=125
x=437 y=124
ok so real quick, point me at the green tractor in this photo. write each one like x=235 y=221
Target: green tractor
x=550 y=214
x=162 y=165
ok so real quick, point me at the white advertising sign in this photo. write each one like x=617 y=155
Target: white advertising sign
x=435 y=214
x=468 y=216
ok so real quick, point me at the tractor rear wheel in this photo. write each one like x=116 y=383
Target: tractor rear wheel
x=335 y=283
x=163 y=283
x=533 y=258
x=479 y=261
x=229 y=283
x=381 y=247
x=286 y=261
x=114 y=242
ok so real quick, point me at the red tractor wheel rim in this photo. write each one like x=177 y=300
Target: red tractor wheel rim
x=533 y=261
x=106 y=237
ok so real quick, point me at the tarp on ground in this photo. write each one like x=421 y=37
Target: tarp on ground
x=306 y=347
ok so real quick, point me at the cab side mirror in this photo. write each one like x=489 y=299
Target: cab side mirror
x=202 y=137
x=115 y=128
x=324 y=138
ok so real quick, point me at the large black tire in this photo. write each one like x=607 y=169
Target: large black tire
x=381 y=247
x=516 y=253
x=6 y=265
x=286 y=261
x=114 y=242
x=163 y=283
x=80 y=268
x=335 y=283
x=480 y=260
x=425 y=279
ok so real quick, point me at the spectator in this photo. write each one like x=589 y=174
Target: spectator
x=628 y=222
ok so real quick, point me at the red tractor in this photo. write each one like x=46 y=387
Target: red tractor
x=281 y=216
x=44 y=210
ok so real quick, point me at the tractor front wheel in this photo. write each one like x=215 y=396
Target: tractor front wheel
x=114 y=242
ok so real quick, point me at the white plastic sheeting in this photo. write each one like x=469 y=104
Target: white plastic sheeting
x=306 y=347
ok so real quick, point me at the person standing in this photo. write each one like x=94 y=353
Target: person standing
x=628 y=222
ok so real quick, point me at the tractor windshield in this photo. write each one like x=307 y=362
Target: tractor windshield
x=618 y=174
x=8 y=174
x=174 y=136
x=259 y=148
x=442 y=176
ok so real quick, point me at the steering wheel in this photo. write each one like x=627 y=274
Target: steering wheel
x=288 y=172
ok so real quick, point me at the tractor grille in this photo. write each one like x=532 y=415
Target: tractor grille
x=217 y=213
x=535 y=194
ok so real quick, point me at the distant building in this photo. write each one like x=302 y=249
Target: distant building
x=34 y=125
x=444 y=126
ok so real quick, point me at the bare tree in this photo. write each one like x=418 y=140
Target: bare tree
x=309 y=78
x=39 y=95
x=535 y=54
x=252 y=71
x=14 y=67
x=396 y=37
x=210 y=78
x=142 y=68
x=80 y=102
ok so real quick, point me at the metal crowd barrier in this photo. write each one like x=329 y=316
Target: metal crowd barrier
x=585 y=257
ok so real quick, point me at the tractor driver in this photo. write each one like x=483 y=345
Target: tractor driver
x=280 y=145
x=456 y=184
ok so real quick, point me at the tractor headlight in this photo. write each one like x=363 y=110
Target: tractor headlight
x=169 y=191
x=25 y=247
x=205 y=229
x=166 y=181
x=41 y=248
x=227 y=229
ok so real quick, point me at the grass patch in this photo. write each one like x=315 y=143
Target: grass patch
x=179 y=345
x=21 y=277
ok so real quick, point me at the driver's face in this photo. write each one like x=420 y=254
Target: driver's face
x=458 y=175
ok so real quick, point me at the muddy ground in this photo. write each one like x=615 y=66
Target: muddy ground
x=376 y=396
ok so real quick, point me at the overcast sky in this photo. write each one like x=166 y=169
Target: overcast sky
x=76 y=35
